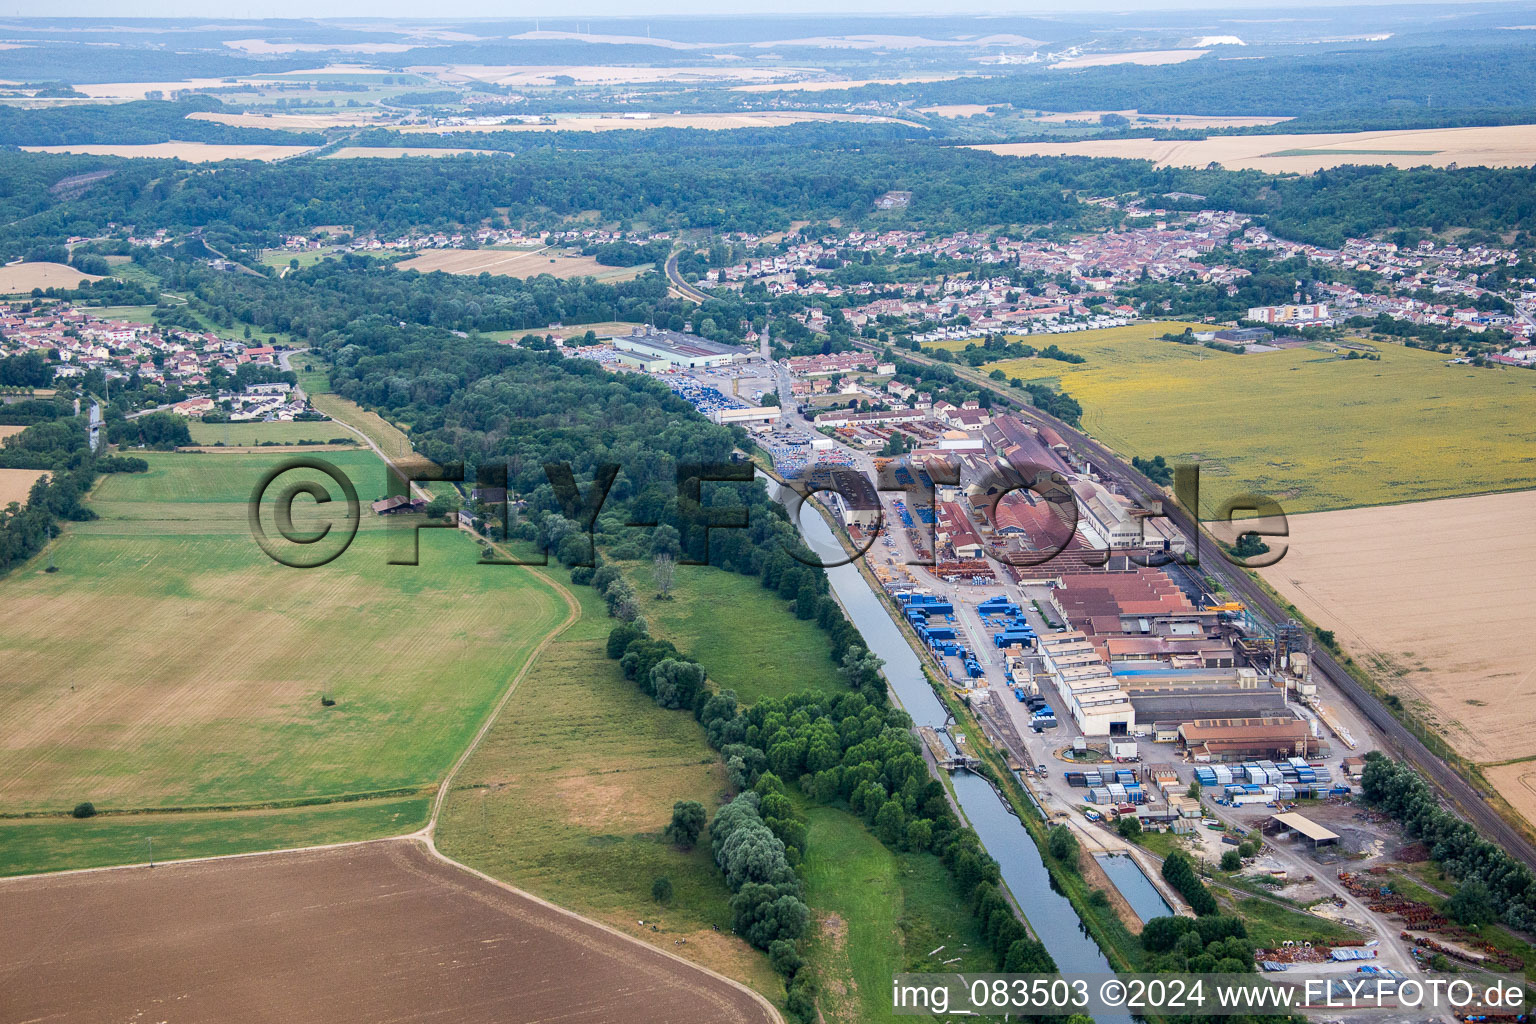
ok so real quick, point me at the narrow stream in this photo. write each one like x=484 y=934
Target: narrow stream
x=1050 y=914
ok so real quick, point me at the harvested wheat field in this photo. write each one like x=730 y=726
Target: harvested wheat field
x=192 y=152
x=17 y=278
x=16 y=484
x=710 y=122
x=517 y=263
x=1516 y=783
x=1433 y=598
x=1147 y=58
x=1503 y=146
x=6 y=430
x=254 y=939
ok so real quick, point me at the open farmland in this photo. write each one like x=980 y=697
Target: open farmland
x=251 y=433
x=192 y=152
x=20 y=278
x=1303 y=425
x=256 y=939
x=16 y=484
x=7 y=429
x=1461 y=651
x=568 y=793
x=1502 y=146
x=517 y=263
x=594 y=74
x=833 y=85
x=202 y=680
x=292 y=122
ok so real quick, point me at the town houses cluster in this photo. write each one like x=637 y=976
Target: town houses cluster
x=79 y=340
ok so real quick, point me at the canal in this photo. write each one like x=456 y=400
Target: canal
x=1134 y=885
x=1051 y=916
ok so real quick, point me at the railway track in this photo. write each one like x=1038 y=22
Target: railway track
x=676 y=279
x=1463 y=797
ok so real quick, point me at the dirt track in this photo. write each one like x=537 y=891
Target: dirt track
x=370 y=933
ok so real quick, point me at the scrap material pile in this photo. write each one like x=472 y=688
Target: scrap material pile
x=1490 y=957
x=1421 y=917
x=1293 y=953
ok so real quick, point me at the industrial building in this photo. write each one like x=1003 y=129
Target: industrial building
x=655 y=350
x=1090 y=691
x=1239 y=739
x=1143 y=601
x=849 y=491
x=746 y=414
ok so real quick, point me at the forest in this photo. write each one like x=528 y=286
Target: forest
x=141 y=122
x=1506 y=886
x=733 y=181
x=1363 y=82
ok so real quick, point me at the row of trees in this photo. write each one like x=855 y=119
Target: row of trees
x=1506 y=884
x=58 y=446
x=1179 y=872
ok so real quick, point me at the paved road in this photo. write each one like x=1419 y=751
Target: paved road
x=1462 y=796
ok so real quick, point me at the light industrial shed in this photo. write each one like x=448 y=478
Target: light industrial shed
x=1303 y=826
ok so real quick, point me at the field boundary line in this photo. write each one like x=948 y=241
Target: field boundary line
x=567 y=912
x=145 y=866
x=573 y=613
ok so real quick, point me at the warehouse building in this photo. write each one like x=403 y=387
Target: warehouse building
x=1242 y=739
x=1092 y=694
x=746 y=414
x=656 y=350
x=849 y=491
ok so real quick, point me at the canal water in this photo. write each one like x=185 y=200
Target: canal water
x=1134 y=885
x=1050 y=914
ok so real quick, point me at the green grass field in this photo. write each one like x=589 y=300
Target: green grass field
x=877 y=913
x=1304 y=426
x=49 y=844
x=280 y=258
x=570 y=790
x=769 y=653
x=1270 y=924
x=169 y=663
x=236 y=435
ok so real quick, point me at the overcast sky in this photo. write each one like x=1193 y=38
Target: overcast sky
x=446 y=9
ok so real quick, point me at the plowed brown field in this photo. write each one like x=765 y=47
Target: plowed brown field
x=350 y=935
